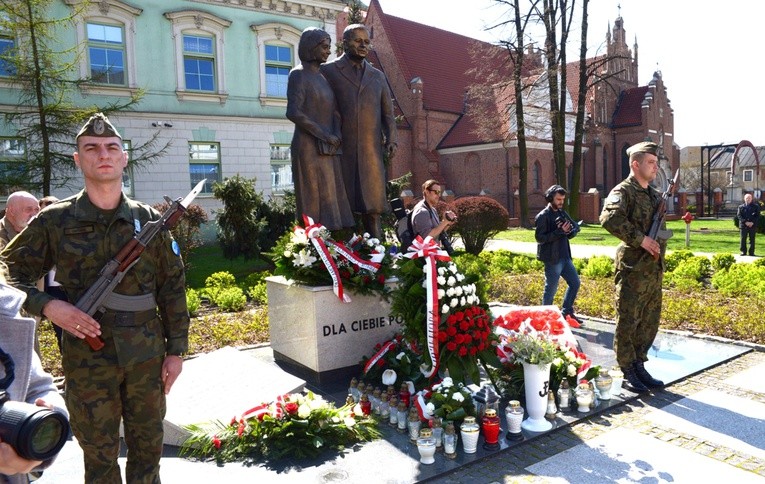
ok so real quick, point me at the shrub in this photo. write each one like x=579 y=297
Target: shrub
x=218 y=281
x=242 y=227
x=741 y=280
x=192 y=301
x=721 y=262
x=230 y=299
x=498 y=261
x=280 y=215
x=255 y=278
x=186 y=231
x=672 y=260
x=258 y=294
x=523 y=264
x=479 y=219
x=580 y=264
x=599 y=266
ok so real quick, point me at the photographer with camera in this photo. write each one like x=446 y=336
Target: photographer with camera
x=27 y=444
x=554 y=227
x=425 y=220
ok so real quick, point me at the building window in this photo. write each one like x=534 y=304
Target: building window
x=199 y=55
x=7 y=45
x=13 y=173
x=199 y=62
x=128 y=182
x=748 y=175
x=106 y=33
x=204 y=163
x=277 y=47
x=106 y=54
x=535 y=176
x=281 y=168
x=278 y=65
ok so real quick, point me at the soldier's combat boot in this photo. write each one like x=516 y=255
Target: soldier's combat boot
x=631 y=380
x=646 y=377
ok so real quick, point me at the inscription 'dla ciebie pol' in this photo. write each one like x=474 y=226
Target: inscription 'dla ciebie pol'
x=361 y=325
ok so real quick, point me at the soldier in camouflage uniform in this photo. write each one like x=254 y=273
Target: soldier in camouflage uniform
x=627 y=214
x=145 y=327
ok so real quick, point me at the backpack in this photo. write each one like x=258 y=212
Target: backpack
x=405 y=232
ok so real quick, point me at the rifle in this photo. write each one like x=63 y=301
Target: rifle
x=114 y=270
x=659 y=216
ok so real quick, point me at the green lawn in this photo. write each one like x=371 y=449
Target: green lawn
x=208 y=259
x=707 y=235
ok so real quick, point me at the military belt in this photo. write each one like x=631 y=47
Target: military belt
x=127 y=319
x=120 y=302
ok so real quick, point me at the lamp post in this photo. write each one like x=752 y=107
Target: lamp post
x=709 y=149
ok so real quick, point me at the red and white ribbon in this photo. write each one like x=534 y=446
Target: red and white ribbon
x=274 y=409
x=312 y=231
x=377 y=356
x=422 y=406
x=351 y=257
x=430 y=251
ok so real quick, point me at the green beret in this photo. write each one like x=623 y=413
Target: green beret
x=98 y=125
x=644 y=147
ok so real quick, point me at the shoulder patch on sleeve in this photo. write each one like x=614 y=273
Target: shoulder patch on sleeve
x=176 y=248
x=615 y=197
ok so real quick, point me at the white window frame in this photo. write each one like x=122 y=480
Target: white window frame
x=107 y=47
x=108 y=12
x=129 y=188
x=748 y=175
x=209 y=183
x=197 y=22
x=282 y=160
x=19 y=158
x=274 y=34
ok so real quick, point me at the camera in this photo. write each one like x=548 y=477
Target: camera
x=35 y=433
x=450 y=216
x=398 y=208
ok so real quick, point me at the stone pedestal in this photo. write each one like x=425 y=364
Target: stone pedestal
x=320 y=338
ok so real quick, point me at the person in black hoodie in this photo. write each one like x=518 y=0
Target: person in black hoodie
x=553 y=230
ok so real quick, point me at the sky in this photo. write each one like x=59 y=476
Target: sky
x=711 y=54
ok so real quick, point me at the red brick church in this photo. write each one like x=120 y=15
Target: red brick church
x=428 y=72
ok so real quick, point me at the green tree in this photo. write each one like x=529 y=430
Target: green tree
x=241 y=227
x=46 y=80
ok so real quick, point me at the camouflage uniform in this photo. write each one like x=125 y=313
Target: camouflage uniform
x=123 y=379
x=627 y=214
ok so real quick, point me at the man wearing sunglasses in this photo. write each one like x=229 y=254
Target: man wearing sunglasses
x=425 y=220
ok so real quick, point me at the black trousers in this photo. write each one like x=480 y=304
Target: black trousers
x=747 y=232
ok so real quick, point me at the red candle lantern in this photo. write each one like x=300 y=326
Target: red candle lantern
x=490 y=427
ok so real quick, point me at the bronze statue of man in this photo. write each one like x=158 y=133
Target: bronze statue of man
x=319 y=188
x=368 y=126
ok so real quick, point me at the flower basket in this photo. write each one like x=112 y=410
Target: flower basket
x=298 y=426
x=310 y=256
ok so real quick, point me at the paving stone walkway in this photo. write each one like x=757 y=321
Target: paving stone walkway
x=731 y=444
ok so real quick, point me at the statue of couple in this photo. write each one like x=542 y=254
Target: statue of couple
x=343 y=115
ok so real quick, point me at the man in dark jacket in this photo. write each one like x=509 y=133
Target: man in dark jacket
x=748 y=213
x=553 y=229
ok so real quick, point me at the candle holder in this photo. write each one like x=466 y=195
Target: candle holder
x=603 y=383
x=414 y=425
x=438 y=431
x=426 y=446
x=469 y=433
x=618 y=379
x=450 y=441
x=514 y=417
x=564 y=395
x=490 y=427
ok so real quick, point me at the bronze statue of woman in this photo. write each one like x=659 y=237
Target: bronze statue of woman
x=311 y=105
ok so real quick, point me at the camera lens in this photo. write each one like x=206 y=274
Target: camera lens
x=36 y=433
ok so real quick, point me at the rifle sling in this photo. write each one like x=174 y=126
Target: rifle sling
x=120 y=302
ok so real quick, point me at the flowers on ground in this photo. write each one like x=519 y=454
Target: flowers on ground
x=451 y=401
x=295 y=425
